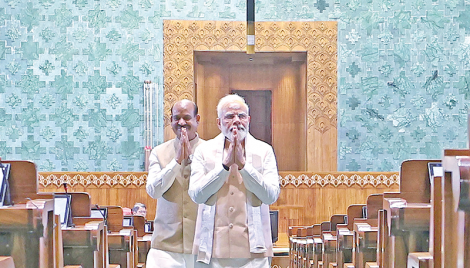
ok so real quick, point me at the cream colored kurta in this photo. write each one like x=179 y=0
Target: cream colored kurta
x=230 y=224
x=168 y=182
x=232 y=201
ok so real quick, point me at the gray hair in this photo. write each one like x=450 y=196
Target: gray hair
x=229 y=99
x=137 y=206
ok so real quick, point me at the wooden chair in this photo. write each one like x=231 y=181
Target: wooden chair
x=27 y=227
x=436 y=221
x=337 y=219
x=58 y=254
x=25 y=231
x=86 y=245
x=454 y=235
x=301 y=249
x=344 y=246
x=143 y=238
x=366 y=233
x=405 y=219
x=325 y=228
x=138 y=222
x=86 y=242
x=305 y=246
x=80 y=205
x=345 y=235
x=122 y=243
x=330 y=240
x=329 y=249
x=292 y=233
x=23 y=182
x=315 y=250
x=365 y=247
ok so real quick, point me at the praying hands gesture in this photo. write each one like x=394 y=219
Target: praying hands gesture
x=184 y=149
x=235 y=153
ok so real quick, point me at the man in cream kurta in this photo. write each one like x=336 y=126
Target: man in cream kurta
x=234 y=178
x=168 y=181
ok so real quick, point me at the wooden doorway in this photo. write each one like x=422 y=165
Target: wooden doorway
x=268 y=79
x=259 y=102
x=183 y=77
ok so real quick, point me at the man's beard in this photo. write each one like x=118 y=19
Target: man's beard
x=242 y=132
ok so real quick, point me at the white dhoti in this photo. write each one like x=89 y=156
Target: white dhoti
x=164 y=259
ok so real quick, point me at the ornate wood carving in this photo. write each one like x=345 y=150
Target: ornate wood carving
x=182 y=37
x=139 y=179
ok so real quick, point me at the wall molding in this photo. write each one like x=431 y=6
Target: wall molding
x=287 y=179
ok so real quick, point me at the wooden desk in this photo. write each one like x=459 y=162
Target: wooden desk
x=144 y=244
x=86 y=245
x=6 y=262
x=27 y=234
x=123 y=248
x=281 y=252
x=329 y=249
x=455 y=228
x=345 y=235
x=137 y=223
x=419 y=260
x=408 y=230
x=344 y=246
x=365 y=244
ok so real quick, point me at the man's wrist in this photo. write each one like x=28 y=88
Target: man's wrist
x=179 y=162
x=225 y=167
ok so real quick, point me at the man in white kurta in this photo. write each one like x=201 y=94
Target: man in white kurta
x=168 y=182
x=234 y=178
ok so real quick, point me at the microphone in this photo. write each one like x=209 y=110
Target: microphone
x=65 y=187
x=99 y=209
x=31 y=202
x=105 y=220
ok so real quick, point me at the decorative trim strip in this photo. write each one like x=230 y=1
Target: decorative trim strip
x=97 y=179
x=296 y=179
x=337 y=179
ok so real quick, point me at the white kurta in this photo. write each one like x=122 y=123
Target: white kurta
x=168 y=182
x=260 y=179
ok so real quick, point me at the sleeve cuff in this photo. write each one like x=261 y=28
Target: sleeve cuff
x=225 y=167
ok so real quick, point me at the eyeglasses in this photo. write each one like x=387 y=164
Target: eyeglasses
x=230 y=116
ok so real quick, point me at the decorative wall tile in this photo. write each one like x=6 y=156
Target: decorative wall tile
x=71 y=76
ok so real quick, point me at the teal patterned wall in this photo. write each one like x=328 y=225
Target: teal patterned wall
x=72 y=72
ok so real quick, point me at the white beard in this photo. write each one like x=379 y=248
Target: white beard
x=242 y=132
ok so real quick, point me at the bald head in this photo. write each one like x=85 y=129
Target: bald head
x=185 y=102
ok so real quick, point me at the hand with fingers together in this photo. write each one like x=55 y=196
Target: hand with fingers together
x=235 y=152
x=184 y=149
